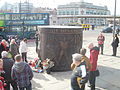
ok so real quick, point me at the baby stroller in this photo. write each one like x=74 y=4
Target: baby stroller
x=2 y=82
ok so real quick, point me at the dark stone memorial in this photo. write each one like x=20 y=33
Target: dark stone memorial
x=58 y=43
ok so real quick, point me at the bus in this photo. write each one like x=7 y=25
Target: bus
x=24 y=25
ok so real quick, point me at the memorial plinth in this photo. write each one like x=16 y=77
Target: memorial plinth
x=58 y=43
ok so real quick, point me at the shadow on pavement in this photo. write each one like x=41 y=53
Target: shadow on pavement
x=108 y=79
x=62 y=75
x=40 y=76
x=111 y=55
x=36 y=85
x=107 y=55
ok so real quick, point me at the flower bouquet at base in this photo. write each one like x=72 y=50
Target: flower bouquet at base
x=36 y=65
x=47 y=65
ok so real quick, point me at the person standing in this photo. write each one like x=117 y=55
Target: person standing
x=13 y=48
x=84 y=58
x=94 y=52
x=22 y=74
x=93 y=26
x=115 y=44
x=101 y=40
x=23 y=49
x=3 y=46
x=117 y=31
x=79 y=75
x=7 y=66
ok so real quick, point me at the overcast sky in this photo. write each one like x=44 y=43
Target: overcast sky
x=55 y=3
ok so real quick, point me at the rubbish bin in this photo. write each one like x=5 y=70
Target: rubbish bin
x=58 y=43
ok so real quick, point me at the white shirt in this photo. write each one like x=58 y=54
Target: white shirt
x=22 y=47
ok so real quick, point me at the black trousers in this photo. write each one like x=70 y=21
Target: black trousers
x=26 y=88
x=114 y=51
x=24 y=56
x=101 y=47
x=92 y=79
x=13 y=84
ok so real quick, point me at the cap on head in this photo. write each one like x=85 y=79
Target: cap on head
x=76 y=57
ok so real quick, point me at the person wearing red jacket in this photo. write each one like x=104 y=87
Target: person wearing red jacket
x=101 y=40
x=94 y=52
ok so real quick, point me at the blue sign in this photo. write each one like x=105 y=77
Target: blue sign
x=26 y=22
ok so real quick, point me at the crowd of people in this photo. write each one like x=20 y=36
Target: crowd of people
x=14 y=66
x=18 y=74
x=84 y=68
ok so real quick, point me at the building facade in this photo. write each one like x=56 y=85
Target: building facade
x=21 y=7
x=6 y=8
x=82 y=8
x=52 y=13
x=25 y=7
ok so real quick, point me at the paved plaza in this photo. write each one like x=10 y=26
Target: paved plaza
x=108 y=65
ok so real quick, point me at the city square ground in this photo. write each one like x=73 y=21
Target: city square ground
x=108 y=65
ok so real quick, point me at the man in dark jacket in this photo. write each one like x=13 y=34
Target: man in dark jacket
x=7 y=65
x=94 y=52
x=79 y=75
x=22 y=73
x=115 y=44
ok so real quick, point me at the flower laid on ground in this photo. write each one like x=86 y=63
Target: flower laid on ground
x=41 y=65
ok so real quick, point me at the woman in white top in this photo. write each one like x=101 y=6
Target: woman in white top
x=23 y=49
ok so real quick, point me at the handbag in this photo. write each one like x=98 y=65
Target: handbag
x=97 y=73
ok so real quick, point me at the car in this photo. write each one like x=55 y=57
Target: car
x=118 y=27
x=107 y=30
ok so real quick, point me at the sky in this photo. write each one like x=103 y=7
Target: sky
x=54 y=3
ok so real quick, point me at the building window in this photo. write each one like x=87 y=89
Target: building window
x=68 y=13
x=76 y=12
x=59 y=13
x=63 y=13
x=72 y=12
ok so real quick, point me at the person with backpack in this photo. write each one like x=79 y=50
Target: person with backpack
x=84 y=58
x=22 y=74
x=79 y=76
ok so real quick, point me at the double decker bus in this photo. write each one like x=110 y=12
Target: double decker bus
x=21 y=24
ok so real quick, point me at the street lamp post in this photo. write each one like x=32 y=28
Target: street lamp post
x=23 y=29
x=114 y=20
